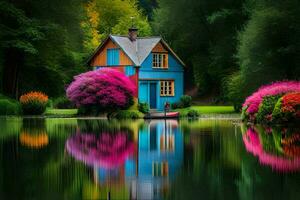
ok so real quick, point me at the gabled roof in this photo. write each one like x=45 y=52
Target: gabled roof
x=137 y=50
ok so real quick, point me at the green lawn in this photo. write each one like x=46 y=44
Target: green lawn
x=61 y=112
x=207 y=110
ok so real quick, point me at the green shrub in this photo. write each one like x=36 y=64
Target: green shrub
x=49 y=103
x=143 y=107
x=185 y=101
x=92 y=110
x=244 y=114
x=8 y=107
x=234 y=90
x=193 y=114
x=266 y=108
x=126 y=114
x=63 y=103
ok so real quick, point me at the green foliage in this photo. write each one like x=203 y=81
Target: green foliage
x=278 y=116
x=8 y=107
x=91 y=110
x=143 y=107
x=33 y=108
x=266 y=108
x=126 y=114
x=49 y=103
x=63 y=103
x=203 y=33
x=193 y=113
x=268 y=48
x=185 y=101
x=234 y=86
x=41 y=45
x=104 y=17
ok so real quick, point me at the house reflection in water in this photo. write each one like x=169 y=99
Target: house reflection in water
x=158 y=156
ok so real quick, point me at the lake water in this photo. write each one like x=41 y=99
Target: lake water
x=159 y=159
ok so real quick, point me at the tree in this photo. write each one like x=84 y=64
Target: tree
x=41 y=45
x=104 y=17
x=204 y=35
x=268 y=48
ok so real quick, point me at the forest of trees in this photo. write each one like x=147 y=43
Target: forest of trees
x=230 y=47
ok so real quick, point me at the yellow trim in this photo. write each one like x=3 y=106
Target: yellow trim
x=172 y=88
x=164 y=60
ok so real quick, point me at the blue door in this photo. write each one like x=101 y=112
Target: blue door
x=152 y=95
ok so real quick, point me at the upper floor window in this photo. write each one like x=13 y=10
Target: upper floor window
x=113 y=57
x=160 y=60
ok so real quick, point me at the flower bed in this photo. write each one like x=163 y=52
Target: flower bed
x=287 y=109
x=272 y=91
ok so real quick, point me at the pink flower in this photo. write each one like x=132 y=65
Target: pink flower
x=252 y=102
x=105 y=87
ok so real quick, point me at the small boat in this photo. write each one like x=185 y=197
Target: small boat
x=162 y=115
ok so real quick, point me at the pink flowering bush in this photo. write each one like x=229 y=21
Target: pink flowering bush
x=105 y=89
x=106 y=150
x=253 y=102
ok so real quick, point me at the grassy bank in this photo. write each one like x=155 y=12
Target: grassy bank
x=207 y=110
x=61 y=112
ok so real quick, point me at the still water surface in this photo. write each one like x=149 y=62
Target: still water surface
x=158 y=159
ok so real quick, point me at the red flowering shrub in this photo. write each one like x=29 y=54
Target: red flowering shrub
x=287 y=109
x=104 y=89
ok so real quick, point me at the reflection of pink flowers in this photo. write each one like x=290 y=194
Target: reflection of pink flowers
x=253 y=145
x=253 y=101
x=106 y=150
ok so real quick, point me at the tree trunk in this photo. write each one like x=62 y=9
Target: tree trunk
x=13 y=59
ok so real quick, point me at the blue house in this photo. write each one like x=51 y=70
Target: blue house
x=148 y=61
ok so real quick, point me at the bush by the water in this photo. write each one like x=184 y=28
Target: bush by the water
x=185 y=101
x=63 y=103
x=264 y=114
x=287 y=109
x=8 y=107
x=126 y=114
x=193 y=114
x=253 y=102
x=34 y=103
x=104 y=89
x=143 y=107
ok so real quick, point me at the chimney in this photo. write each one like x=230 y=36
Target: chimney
x=132 y=33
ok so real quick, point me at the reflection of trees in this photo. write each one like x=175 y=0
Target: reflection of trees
x=212 y=159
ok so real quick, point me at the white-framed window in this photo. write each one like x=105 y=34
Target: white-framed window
x=160 y=60
x=167 y=88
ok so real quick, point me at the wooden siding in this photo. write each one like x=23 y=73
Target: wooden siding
x=100 y=57
x=159 y=48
